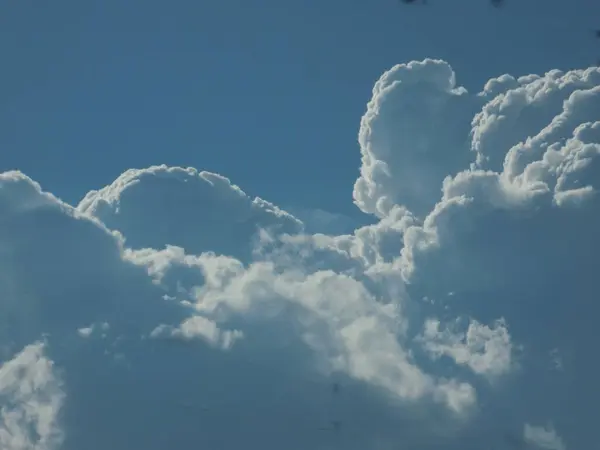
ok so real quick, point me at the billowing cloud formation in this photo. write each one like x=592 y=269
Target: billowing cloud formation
x=514 y=236
x=485 y=350
x=174 y=311
x=200 y=211
x=31 y=397
x=412 y=135
x=334 y=314
x=128 y=330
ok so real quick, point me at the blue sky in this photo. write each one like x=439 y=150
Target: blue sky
x=211 y=213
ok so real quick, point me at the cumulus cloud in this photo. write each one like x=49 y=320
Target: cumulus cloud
x=128 y=328
x=413 y=134
x=31 y=396
x=200 y=211
x=175 y=310
x=485 y=350
x=334 y=314
x=517 y=239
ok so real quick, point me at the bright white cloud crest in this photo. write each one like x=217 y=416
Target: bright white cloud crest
x=175 y=309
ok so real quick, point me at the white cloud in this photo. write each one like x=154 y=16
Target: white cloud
x=199 y=327
x=518 y=108
x=31 y=397
x=543 y=437
x=62 y=270
x=333 y=313
x=69 y=276
x=485 y=350
x=261 y=315
x=412 y=135
x=518 y=239
x=199 y=211
x=86 y=332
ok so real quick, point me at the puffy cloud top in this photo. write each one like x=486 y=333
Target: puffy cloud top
x=200 y=211
x=411 y=137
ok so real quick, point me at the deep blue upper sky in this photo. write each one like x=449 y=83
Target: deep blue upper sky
x=267 y=93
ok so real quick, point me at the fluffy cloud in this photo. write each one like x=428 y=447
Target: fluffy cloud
x=31 y=396
x=128 y=330
x=199 y=326
x=412 y=135
x=200 y=211
x=514 y=236
x=543 y=437
x=334 y=314
x=485 y=350
x=176 y=311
